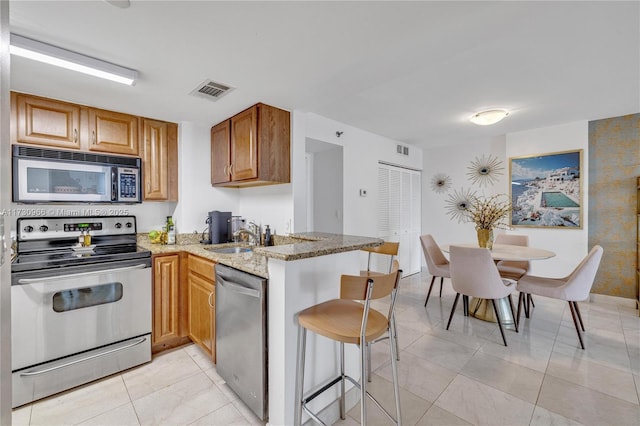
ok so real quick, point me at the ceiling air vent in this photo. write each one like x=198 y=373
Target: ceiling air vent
x=211 y=90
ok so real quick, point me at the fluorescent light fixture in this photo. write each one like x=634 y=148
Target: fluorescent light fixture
x=43 y=52
x=485 y=118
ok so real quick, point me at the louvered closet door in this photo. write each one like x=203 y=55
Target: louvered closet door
x=399 y=200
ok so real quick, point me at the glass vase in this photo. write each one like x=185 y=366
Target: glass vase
x=485 y=238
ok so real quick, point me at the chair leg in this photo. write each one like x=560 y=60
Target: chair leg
x=394 y=375
x=520 y=303
x=441 y=282
x=453 y=308
x=575 y=305
x=515 y=321
x=302 y=338
x=429 y=293
x=575 y=322
x=527 y=305
x=342 y=389
x=465 y=305
x=531 y=301
x=498 y=320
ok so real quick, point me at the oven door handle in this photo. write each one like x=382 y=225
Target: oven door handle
x=81 y=274
x=67 y=364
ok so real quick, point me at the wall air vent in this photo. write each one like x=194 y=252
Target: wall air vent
x=211 y=90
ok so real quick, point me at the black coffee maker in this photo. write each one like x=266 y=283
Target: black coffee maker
x=219 y=227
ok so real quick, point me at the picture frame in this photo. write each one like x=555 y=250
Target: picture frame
x=546 y=190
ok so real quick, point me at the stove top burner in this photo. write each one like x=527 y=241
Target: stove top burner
x=46 y=243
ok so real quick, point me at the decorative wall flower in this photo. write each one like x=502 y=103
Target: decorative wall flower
x=440 y=183
x=485 y=170
x=458 y=204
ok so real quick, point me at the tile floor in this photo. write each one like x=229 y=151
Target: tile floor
x=462 y=376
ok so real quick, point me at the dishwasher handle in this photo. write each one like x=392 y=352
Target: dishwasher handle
x=237 y=288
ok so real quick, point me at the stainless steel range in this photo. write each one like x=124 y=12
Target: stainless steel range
x=78 y=313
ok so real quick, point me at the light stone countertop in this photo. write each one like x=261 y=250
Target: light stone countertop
x=294 y=247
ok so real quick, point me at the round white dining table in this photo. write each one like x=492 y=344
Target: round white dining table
x=479 y=308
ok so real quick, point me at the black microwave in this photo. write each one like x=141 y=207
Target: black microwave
x=43 y=175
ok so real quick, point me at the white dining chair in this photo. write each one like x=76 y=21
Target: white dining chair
x=515 y=269
x=437 y=263
x=474 y=274
x=573 y=288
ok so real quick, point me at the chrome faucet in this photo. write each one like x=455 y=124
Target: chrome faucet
x=254 y=236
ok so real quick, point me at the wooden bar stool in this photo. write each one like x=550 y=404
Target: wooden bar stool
x=347 y=320
x=389 y=249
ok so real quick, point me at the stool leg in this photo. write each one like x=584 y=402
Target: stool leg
x=395 y=334
x=302 y=341
x=342 y=394
x=394 y=374
x=368 y=362
x=363 y=382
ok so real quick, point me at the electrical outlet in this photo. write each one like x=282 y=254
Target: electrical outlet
x=363 y=192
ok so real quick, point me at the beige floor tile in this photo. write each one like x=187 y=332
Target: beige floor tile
x=483 y=405
x=21 y=416
x=420 y=376
x=199 y=356
x=636 y=379
x=594 y=376
x=226 y=415
x=412 y=407
x=585 y=405
x=251 y=418
x=442 y=352
x=542 y=417
x=532 y=354
x=417 y=319
x=521 y=382
x=436 y=416
x=165 y=370
x=181 y=403
x=80 y=404
x=469 y=332
x=124 y=415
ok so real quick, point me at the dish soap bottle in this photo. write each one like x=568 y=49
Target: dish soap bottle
x=171 y=231
x=87 y=238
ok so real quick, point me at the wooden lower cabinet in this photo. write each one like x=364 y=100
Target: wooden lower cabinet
x=201 y=304
x=168 y=329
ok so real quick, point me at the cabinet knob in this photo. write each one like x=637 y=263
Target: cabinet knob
x=75 y=135
x=231 y=169
x=93 y=137
x=209 y=300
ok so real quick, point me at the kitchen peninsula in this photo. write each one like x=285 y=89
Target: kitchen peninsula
x=303 y=269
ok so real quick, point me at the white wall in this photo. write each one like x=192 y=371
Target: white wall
x=570 y=245
x=361 y=153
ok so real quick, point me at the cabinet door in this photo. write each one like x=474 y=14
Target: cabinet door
x=45 y=122
x=113 y=132
x=166 y=298
x=244 y=145
x=201 y=312
x=155 y=160
x=220 y=152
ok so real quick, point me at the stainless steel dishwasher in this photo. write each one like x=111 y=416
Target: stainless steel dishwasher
x=241 y=336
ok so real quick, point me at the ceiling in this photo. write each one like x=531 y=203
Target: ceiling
x=410 y=71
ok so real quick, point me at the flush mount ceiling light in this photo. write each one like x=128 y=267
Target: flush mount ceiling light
x=47 y=53
x=491 y=116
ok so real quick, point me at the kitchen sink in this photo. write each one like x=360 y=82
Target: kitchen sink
x=228 y=250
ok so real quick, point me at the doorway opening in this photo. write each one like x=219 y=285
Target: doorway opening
x=324 y=163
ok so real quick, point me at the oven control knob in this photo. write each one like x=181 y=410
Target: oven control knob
x=118 y=225
x=28 y=228
x=44 y=228
x=129 y=224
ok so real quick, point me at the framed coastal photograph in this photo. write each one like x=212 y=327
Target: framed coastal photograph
x=546 y=190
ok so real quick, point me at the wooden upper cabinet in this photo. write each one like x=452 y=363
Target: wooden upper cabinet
x=44 y=121
x=114 y=132
x=220 y=152
x=244 y=145
x=259 y=141
x=160 y=160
